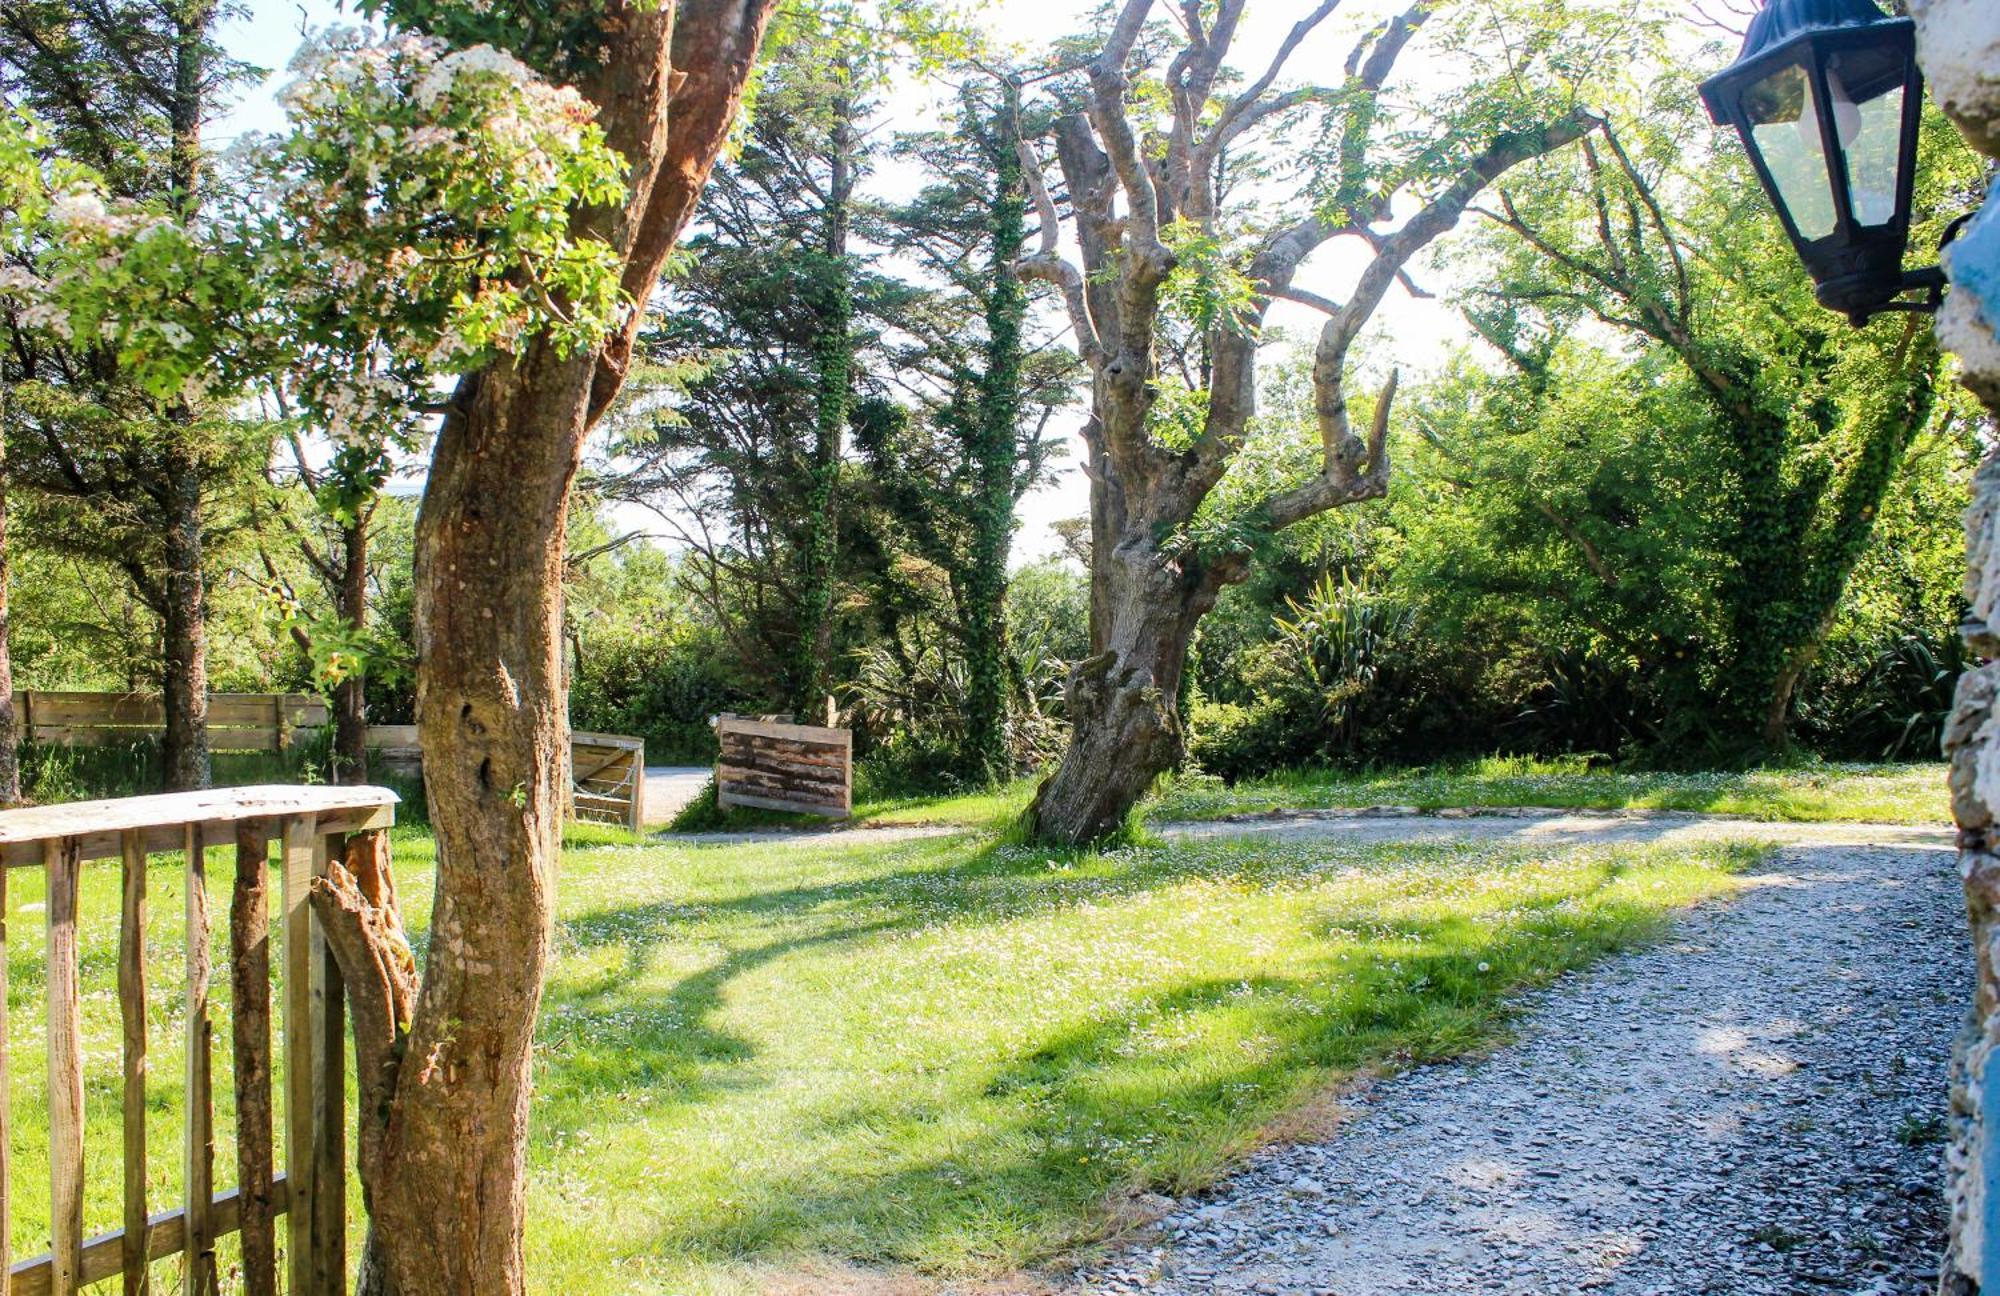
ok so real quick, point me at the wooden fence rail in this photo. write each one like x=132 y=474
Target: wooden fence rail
x=607 y=771
x=236 y=721
x=310 y=826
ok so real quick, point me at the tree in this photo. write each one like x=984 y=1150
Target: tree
x=1810 y=424
x=784 y=319
x=441 y=207
x=334 y=545
x=445 y=1066
x=126 y=89
x=1172 y=286
x=951 y=462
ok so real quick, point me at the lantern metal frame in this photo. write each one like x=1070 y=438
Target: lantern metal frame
x=1857 y=268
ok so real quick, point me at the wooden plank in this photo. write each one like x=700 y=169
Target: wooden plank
x=624 y=742
x=99 y=826
x=249 y=711
x=132 y=1007
x=805 y=777
x=250 y=990
x=602 y=766
x=773 y=749
x=396 y=736
x=198 y=1140
x=794 y=732
x=95 y=709
x=805 y=795
x=832 y=810
x=65 y=1073
x=104 y=1253
x=301 y=856
x=329 y=1074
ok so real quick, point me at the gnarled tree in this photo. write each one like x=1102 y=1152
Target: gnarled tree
x=1171 y=287
x=444 y=1068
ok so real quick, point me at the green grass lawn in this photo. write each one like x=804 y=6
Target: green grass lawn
x=948 y=1055
x=1904 y=794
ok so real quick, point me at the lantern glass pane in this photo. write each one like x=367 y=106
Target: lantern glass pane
x=1784 y=129
x=1871 y=132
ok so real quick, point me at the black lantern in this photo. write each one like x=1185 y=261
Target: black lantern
x=1827 y=97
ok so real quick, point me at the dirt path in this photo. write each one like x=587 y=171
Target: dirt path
x=1751 y=1108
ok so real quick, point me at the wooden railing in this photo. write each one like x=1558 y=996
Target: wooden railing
x=311 y=826
x=236 y=721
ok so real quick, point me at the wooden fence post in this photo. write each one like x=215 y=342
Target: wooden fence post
x=137 y=1249
x=329 y=1104
x=301 y=860
x=200 y=1139
x=250 y=998
x=65 y=1071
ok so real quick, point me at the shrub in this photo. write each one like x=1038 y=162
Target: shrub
x=660 y=683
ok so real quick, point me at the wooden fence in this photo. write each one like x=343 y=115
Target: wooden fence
x=775 y=766
x=236 y=721
x=311 y=826
x=607 y=771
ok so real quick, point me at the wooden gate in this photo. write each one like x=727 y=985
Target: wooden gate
x=774 y=766
x=310 y=825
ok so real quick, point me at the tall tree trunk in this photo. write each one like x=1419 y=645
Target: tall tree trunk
x=994 y=460
x=184 y=610
x=833 y=363
x=10 y=756
x=184 y=630
x=446 y=1204
x=350 y=697
x=445 y=1083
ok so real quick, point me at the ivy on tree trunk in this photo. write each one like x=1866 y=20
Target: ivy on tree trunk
x=833 y=388
x=994 y=455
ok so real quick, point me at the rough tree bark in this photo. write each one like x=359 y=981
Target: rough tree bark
x=350 y=696
x=1149 y=586
x=445 y=1103
x=183 y=628
x=10 y=754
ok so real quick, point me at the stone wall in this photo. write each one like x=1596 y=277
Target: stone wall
x=1958 y=43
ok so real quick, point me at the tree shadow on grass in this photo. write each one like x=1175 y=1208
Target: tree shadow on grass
x=991 y=1162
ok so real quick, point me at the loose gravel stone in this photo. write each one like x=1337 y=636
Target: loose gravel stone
x=1752 y=1107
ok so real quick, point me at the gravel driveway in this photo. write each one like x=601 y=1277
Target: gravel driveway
x=1750 y=1107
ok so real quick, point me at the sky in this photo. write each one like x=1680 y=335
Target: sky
x=1422 y=334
